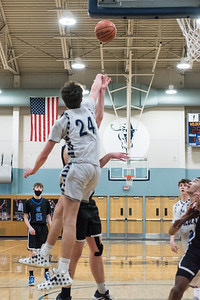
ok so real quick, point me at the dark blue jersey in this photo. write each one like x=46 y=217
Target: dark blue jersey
x=195 y=240
x=37 y=209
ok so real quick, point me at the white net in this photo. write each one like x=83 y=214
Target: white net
x=129 y=180
x=191 y=32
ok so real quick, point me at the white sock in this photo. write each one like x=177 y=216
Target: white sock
x=197 y=293
x=46 y=249
x=101 y=287
x=63 y=265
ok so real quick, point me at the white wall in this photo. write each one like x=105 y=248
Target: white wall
x=165 y=126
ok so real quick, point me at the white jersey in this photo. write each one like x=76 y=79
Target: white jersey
x=188 y=228
x=79 y=129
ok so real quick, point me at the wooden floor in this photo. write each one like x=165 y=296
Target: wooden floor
x=134 y=270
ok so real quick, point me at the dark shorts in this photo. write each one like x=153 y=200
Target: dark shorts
x=88 y=222
x=189 y=264
x=36 y=241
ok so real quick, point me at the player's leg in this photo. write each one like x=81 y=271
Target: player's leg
x=188 y=267
x=31 y=280
x=195 y=284
x=181 y=285
x=42 y=233
x=32 y=251
x=81 y=233
x=96 y=261
x=61 y=277
x=77 y=251
x=97 y=267
x=56 y=226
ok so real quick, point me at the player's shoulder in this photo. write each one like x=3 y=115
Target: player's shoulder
x=45 y=199
x=29 y=200
x=88 y=103
x=178 y=203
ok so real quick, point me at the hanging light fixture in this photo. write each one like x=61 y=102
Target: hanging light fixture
x=78 y=64
x=171 y=90
x=184 y=64
x=67 y=19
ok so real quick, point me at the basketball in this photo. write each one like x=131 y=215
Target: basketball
x=105 y=31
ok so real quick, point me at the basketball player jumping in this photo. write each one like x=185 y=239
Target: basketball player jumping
x=80 y=176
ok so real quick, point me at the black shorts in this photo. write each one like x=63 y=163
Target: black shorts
x=88 y=223
x=36 y=241
x=189 y=264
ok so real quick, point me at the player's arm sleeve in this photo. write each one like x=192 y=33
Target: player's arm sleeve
x=176 y=216
x=26 y=207
x=57 y=132
x=90 y=104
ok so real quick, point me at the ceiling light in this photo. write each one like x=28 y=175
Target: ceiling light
x=184 y=64
x=0 y=91
x=67 y=19
x=171 y=90
x=78 y=64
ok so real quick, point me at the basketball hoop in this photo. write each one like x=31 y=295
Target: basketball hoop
x=129 y=179
x=191 y=32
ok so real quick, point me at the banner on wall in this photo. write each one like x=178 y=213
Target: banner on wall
x=116 y=133
x=44 y=112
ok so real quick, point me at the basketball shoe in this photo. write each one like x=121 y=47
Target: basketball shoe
x=47 y=275
x=196 y=294
x=60 y=297
x=31 y=280
x=56 y=281
x=36 y=261
x=99 y=296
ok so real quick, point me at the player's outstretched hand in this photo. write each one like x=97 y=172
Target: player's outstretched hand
x=28 y=172
x=120 y=155
x=105 y=81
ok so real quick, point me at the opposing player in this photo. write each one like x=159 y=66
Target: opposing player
x=88 y=227
x=37 y=213
x=179 y=209
x=188 y=228
x=80 y=176
x=189 y=264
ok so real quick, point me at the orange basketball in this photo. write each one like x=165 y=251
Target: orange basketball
x=105 y=31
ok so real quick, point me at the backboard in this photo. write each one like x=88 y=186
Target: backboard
x=137 y=167
x=148 y=9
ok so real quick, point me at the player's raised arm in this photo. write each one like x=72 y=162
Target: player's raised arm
x=96 y=87
x=117 y=155
x=99 y=110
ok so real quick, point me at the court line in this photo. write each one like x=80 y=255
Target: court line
x=9 y=248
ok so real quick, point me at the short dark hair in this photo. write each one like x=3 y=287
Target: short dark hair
x=38 y=184
x=184 y=180
x=72 y=94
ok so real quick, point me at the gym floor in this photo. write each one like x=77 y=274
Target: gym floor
x=134 y=270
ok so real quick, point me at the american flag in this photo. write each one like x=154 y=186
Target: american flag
x=44 y=112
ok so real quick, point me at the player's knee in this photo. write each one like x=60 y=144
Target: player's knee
x=177 y=291
x=99 y=246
